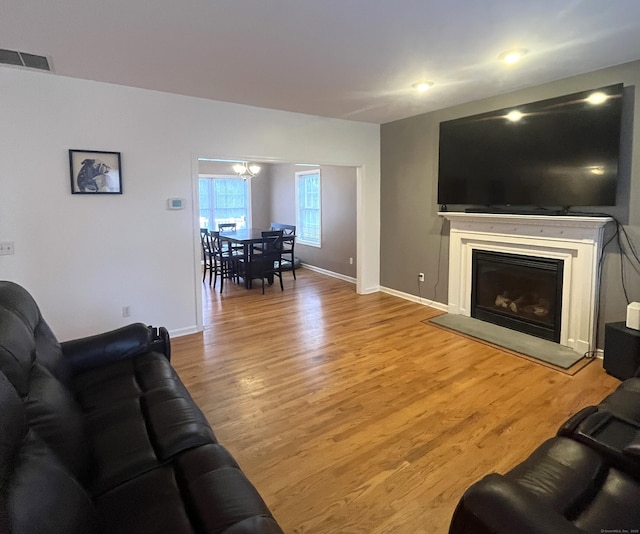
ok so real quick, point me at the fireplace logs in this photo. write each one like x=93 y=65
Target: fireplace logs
x=527 y=303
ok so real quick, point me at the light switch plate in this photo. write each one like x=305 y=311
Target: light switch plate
x=7 y=248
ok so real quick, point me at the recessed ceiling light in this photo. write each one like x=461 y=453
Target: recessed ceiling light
x=510 y=57
x=596 y=98
x=423 y=86
x=515 y=115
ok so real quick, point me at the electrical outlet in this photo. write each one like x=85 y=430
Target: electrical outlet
x=420 y=277
x=350 y=261
x=7 y=248
x=126 y=311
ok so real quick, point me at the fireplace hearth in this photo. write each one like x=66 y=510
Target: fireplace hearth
x=520 y=292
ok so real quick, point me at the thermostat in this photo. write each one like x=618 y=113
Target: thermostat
x=175 y=203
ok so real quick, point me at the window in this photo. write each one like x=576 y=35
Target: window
x=223 y=200
x=308 y=207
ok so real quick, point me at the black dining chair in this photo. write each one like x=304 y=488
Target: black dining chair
x=230 y=227
x=257 y=247
x=224 y=261
x=288 y=246
x=272 y=233
x=265 y=260
x=207 y=254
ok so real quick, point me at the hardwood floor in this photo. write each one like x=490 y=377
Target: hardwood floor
x=349 y=414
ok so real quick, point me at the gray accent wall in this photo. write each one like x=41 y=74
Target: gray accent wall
x=339 y=225
x=414 y=238
x=261 y=198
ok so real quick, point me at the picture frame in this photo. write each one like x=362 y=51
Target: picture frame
x=95 y=172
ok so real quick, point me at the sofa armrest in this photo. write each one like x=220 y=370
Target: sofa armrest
x=498 y=505
x=108 y=347
x=570 y=426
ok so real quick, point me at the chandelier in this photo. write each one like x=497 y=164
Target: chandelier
x=246 y=170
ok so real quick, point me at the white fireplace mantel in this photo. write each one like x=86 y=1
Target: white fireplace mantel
x=577 y=241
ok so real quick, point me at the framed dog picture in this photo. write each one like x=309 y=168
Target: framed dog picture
x=94 y=172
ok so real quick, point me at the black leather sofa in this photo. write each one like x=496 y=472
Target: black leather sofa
x=99 y=435
x=586 y=479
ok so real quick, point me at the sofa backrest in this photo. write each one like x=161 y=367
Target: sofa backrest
x=37 y=492
x=32 y=361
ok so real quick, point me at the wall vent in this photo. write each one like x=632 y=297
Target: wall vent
x=22 y=59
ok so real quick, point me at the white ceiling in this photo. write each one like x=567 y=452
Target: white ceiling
x=349 y=59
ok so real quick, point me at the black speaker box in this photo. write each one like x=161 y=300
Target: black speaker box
x=621 y=350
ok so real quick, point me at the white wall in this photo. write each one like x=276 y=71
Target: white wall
x=84 y=257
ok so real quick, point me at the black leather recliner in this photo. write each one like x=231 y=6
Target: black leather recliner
x=100 y=435
x=584 y=480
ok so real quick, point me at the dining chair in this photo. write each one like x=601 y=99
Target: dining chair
x=224 y=261
x=207 y=254
x=257 y=247
x=265 y=261
x=230 y=227
x=288 y=246
x=272 y=233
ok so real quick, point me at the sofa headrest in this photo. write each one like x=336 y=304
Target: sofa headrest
x=17 y=349
x=25 y=337
x=18 y=300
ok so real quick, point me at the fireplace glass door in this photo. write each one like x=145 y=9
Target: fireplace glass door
x=523 y=293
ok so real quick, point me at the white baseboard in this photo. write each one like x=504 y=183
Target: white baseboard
x=413 y=298
x=329 y=273
x=395 y=293
x=184 y=331
x=370 y=290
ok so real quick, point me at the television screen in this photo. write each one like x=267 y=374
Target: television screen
x=559 y=152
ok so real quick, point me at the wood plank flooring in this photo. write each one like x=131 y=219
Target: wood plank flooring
x=351 y=415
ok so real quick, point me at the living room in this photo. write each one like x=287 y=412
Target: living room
x=160 y=137
x=86 y=257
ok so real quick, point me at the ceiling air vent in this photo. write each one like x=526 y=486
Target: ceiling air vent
x=22 y=59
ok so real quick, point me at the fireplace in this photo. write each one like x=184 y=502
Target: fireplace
x=576 y=241
x=520 y=292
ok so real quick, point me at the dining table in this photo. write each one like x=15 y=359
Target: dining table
x=244 y=236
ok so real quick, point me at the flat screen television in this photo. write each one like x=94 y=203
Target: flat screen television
x=559 y=152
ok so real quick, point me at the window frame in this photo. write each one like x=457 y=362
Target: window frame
x=227 y=177
x=300 y=233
